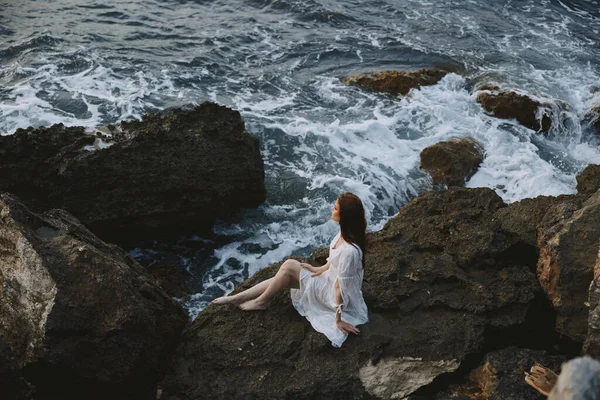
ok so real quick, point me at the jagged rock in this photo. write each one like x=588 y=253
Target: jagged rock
x=500 y=376
x=507 y=104
x=437 y=277
x=592 y=341
x=452 y=162
x=588 y=181
x=169 y=173
x=174 y=280
x=593 y=118
x=78 y=317
x=396 y=82
x=568 y=244
x=524 y=218
x=487 y=87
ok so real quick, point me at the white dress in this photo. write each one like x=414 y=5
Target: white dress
x=315 y=299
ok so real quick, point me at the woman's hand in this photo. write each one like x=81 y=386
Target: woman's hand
x=316 y=271
x=346 y=327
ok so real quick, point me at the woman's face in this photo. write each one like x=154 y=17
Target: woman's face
x=335 y=213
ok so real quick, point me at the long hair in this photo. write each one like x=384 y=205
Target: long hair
x=353 y=225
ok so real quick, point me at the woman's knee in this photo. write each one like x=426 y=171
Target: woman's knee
x=291 y=267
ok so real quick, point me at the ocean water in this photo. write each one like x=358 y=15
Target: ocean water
x=91 y=63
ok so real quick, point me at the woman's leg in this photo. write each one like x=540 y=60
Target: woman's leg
x=288 y=276
x=245 y=295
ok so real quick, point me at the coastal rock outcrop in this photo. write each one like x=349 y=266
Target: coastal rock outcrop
x=524 y=218
x=568 y=243
x=396 y=82
x=452 y=162
x=593 y=119
x=507 y=104
x=439 y=277
x=592 y=341
x=500 y=376
x=171 y=172
x=588 y=181
x=79 y=318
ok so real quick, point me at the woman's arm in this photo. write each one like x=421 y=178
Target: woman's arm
x=316 y=271
x=339 y=301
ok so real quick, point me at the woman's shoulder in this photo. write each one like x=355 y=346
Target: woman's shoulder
x=352 y=248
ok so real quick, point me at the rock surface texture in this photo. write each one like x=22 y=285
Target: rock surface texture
x=588 y=181
x=506 y=104
x=439 y=277
x=500 y=376
x=396 y=82
x=452 y=162
x=592 y=341
x=568 y=244
x=79 y=318
x=176 y=170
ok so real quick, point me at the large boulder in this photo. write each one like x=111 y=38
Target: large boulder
x=452 y=162
x=396 y=82
x=500 y=375
x=588 y=181
x=79 y=318
x=507 y=104
x=171 y=172
x=524 y=218
x=439 y=277
x=568 y=243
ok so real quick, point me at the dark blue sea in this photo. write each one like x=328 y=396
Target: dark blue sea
x=92 y=63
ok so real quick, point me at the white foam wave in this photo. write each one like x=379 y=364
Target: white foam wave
x=106 y=95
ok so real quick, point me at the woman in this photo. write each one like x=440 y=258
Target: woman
x=330 y=296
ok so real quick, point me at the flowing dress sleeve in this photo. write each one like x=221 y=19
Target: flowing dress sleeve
x=350 y=276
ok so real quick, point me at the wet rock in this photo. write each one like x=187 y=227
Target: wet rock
x=286 y=185
x=488 y=87
x=79 y=318
x=588 y=181
x=501 y=375
x=437 y=277
x=170 y=173
x=568 y=244
x=174 y=280
x=396 y=82
x=592 y=118
x=452 y=162
x=507 y=104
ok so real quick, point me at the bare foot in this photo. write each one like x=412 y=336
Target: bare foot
x=253 y=305
x=235 y=300
x=541 y=379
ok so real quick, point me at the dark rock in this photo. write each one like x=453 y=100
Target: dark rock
x=396 y=82
x=78 y=317
x=588 y=181
x=592 y=118
x=174 y=280
x=437 y=277
x=506 y=104
x=524 y=218
x=568 y=243
x=452 y=162
x=488 y=87
x=592 y=341
x=172 y=172
x=501 y=375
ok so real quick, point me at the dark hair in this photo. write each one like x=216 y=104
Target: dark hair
x=353 y=225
